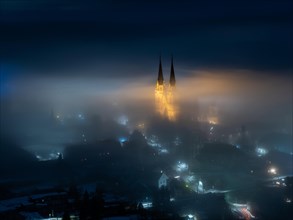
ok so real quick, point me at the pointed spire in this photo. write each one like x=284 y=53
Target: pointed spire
x=172 y=74
x=160 y=74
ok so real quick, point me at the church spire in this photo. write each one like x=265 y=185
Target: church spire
x=160 y=74
x=172 y=74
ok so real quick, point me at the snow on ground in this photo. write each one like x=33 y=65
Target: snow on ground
x=11 y=204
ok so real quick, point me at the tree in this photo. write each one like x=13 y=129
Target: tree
x=84 y=207
x=66 y=216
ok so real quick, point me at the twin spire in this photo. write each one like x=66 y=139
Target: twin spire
x=172 y=81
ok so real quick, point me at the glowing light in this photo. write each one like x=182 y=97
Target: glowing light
x=80 y=116
x=160 y=99
x=213 y=121
x=163 y=151
x=261 y=151
x=200 y=187
x=122 y=120
x=212 y=116
x=122 y=140
x=242 y=209
x=190 y=216
x=141 y=125
x=165 y=102
x=177 y=141
x=153 y=141
x=189 y=178
x=272 y=170
x=50 y=156
x=181 y=166
x=147 y=205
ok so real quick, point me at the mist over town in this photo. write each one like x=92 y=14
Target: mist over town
x=128 y=110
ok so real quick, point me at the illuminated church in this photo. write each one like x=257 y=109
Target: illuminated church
x=165 y=95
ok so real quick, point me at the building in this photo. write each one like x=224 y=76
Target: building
x=165 y=94
x=163 y=180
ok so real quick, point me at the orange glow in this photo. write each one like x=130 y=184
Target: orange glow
x=165 y=102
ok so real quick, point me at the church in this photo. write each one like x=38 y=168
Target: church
x=165 y=95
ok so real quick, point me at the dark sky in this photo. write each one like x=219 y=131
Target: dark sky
x=129 y=35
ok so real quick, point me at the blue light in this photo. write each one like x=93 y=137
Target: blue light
x=7 y=74
x=122 y=139
x=80 y=116
x=122 y=120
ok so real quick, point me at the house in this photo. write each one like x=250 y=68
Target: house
x=163 y=180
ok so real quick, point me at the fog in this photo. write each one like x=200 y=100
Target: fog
x=260 y=101
x=244 y=96
x=87 y=131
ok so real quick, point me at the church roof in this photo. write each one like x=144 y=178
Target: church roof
x=172 y=74
x=164 y=176
x=160 y=74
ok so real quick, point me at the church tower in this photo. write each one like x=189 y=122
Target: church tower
x=172 y=75
x=171 y=107
x=160 y=92
x=164 y=94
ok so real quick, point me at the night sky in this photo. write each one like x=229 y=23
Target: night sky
x=130 y=35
